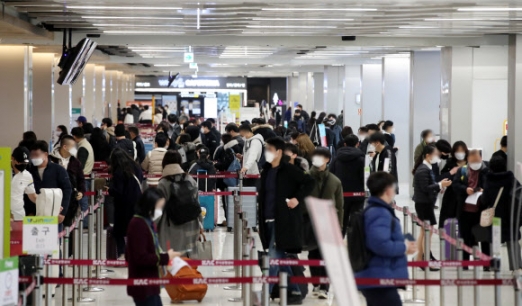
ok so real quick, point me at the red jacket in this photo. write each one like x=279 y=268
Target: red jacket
x=143 y=259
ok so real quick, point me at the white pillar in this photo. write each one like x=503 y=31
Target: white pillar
x=461 y=94
x=319 y=105
x=89 y=92
x=100 y=109
x=62 y=100
x=352 y=97
x=16 y=97
x=43 y=95
x=426 y=91
x=293 y=92
x=515 y=103
x=334 y=89
x=78 y=99
x=396 y=107
x=371 y=94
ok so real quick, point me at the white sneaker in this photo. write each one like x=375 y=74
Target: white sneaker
x=122 y=257
x=316 y=290
x=323 y=295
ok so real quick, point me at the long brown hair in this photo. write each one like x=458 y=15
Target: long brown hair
x=305 y=145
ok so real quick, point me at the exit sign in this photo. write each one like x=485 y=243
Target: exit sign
x=188 y=57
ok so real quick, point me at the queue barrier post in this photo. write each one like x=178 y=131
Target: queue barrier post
x=460 y=292
x=65 y=254
x=476 y=275
x=48 y=294
x=246 y=289
x=427 y=252
x=76 y=250
x=252 y=294
x=265 y=269
x=90 y=236
x=495 y=266
x=283 y=288
x=405 y=210
x=414 y=294
x=101 y=218
x=238 y=241
x=81 y=299
x=37 y=293
x=442 y=257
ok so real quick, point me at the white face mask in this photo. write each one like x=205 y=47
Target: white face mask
x=361 y=138
x=269 y=156
x=460 y=155
x=392 y=131
x=318 y=161
x=475 y=166
x=37 y=161
x=429 y=140
x=73 y=151
x=157 y=214
x=435 y=160
x=371 y=148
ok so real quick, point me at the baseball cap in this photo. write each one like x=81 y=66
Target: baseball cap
x=21 y=154
x=81 y=119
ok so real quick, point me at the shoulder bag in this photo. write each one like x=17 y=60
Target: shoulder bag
x=486 y=217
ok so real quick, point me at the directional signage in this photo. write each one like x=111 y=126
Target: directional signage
x=40 y=235
x=188 y=57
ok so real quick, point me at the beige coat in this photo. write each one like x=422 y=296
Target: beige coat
x=153 y=164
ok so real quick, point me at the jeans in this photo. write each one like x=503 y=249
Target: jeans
x=153 y=300
x=382 y=296
x=84 y=203
x=275 y=253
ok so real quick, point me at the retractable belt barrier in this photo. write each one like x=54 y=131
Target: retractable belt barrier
x=272 y=262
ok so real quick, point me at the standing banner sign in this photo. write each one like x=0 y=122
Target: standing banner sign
x=496 y=237
x=40 y=235
x=322 y=134
x=335 y=254
x=9 y=281
x=5 y=202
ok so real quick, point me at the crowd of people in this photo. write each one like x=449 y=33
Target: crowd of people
x=292 y=162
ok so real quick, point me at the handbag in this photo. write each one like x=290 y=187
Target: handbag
x=203 y=249
x=309 y=240
x=486 y=217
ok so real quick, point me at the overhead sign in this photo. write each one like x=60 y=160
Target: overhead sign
x=40 y=235
x=9 y=281
x=335 y=254
x=188 y=57
x=496 y=233
x=193 y=65
x=191 y=82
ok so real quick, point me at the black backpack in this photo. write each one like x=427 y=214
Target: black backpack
x=358 y=253
x=182 y=205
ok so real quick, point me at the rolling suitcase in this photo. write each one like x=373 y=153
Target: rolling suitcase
x=188 y=292
x=209 y=203
x=249 y=205
x=451 y=229
x=110 y=245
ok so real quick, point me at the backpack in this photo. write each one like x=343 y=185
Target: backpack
x=182 y=205
x=235 y=166
x=262 y=160
x=358 y=253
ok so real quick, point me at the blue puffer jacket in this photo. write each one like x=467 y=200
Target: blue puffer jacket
x=387 y=245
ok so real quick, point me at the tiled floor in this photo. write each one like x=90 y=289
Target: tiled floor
x=223 y=249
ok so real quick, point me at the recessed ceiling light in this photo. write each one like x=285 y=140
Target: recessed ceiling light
x=290 y=27
x=301 y=19
x=142 y=32
x=489 y=9
x=132 y=17
x=417 y=27
x=467 y=19
x=93 y=7
x=354 y=9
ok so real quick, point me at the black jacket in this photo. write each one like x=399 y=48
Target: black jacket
x=226 y=154
x=127 y=145
x=460 y=184
x=211 y=142
x=216 y=134
x=240 y=143
x=54 y=176
x=495 y=181
x=387 y=152
x=204 y=166
x=425 y=188
x=265 y=130
x=448 y=208
x=501 y=154
x=389 y=140
x=140 y=148
x=348 y=166
x=291 y=183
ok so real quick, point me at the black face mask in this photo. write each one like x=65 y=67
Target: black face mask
x=21 y=167
x=442 y=156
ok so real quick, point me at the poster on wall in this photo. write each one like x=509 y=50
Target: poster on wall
x=171 y=102
x=235 y=104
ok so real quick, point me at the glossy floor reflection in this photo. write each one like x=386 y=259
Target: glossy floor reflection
x=223 y=249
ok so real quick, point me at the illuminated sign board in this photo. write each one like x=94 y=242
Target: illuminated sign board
x=190 y=82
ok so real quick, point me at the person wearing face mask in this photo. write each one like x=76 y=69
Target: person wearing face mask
x=174 y=129
x=427 y=138
x=386 y=242
x=469 y=180
x=144 y=254
x=50 y=175
x=65 y=157
x=281 y=207
x=61 y=131
x=85 y=155
x=21 y=184
x=362 y=133
x=388 y=131
x=426 y=190
x=153 y=159
x=293 y=153
x=178 y=236
x=365 y=143
x=253 y=154
x=384 y=158
x=458 y=159
x=210 y=140
x=328 y=187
